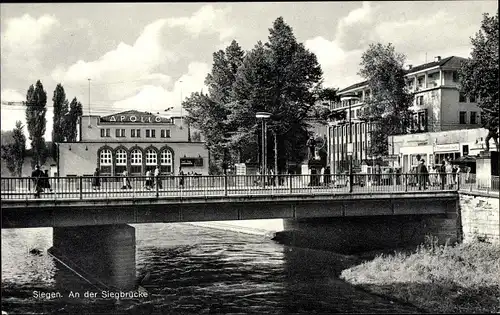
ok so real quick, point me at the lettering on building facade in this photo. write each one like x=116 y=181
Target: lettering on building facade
x=135 y=117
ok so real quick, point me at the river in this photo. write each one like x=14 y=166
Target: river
x=194 y=270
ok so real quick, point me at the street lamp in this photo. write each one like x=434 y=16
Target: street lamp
x=263 y=116
x=350 y=149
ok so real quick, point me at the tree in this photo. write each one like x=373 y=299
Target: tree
x=14 y=149
x=70 y=127
x=60 y=112
x=281 y=77
x=388 y=106
x=208 y=113
x=36 y=101
x=479 y=74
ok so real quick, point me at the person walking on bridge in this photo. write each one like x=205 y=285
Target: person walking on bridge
x=96 y=181
x=422 y=174
x=37 y=176
x=158 y=178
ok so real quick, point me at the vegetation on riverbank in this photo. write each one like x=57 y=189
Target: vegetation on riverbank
x=439 y=279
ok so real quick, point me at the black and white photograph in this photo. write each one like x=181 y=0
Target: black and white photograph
x=250 y=157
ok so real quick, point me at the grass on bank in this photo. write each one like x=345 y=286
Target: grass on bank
x=439 y=279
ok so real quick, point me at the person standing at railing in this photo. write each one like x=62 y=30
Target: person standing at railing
x=422 y=174
x=449 y=174
x=149 y=181
x=158 y=178
x=442 y=174
x=327 y=176
x=37 y=180
x=46 y=183
x=96 y=181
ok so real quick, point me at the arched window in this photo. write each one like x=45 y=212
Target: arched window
x=120 y=161
x=136 y=162
x=166 y=162
x=105 y=162
x=151 y=159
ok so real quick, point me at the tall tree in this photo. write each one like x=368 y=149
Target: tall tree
x=479 y=74
x=281 y=77
x=60 y=112
x=388 y=106
x=208 y=113
x=14 y=149
x=36 y=101
x=70 y=128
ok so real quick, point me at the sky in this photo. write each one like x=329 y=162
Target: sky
x=149 y=56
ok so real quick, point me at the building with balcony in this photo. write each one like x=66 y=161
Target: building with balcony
x=134 y=141
x=438 y=106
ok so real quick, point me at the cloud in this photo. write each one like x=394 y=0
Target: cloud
x=25 y=34
x=22 y=41
x=128 y=64
x=354 y=30
x=10 y=95
x=206 y=20
x=157 y=98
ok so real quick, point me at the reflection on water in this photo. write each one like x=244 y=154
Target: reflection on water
x=190 y=269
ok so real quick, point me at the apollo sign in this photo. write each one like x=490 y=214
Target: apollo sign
x=136 y=119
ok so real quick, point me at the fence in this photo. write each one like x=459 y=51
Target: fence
x=471 y=182
x=90 y=187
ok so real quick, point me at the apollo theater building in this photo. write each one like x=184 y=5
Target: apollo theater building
x=134 y=141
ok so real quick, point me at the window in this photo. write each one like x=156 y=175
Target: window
x=151 y=158
x=153 y=133
x=472 y=98
x=105 y=133
x=420 y=100
x=473 y=118
x=165 y=133
x=106 y=160
x=148 y=133
x=136 y=161
x=166 y=161
x=120 y=133
x=135 y=133
x=461 y=97
x=462 y=118
x=420 y=81
x=455 y=76
x=120 y=161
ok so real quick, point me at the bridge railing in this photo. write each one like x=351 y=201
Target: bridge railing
x=471 y=182
x=90 y=187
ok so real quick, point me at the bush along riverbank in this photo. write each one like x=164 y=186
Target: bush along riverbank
x=463 y=278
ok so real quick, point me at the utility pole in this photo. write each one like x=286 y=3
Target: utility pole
x=89 y=96
x=275 y=153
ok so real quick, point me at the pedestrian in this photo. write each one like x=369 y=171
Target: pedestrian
x=327 y=178
x=96 y=181
x=181 y=179
x=442 y=174
x=422 y=174
x=456 y=173
x=449 y=174
x=378 y=171
x=46 y=182
x=149 y=182
x=158 y=178
x=36 y=175
x=126 y=181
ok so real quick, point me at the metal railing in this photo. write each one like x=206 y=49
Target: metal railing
x=473 y=183
x=90 y=187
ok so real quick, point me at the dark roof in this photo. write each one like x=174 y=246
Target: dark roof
x=452 y=61
x=357 y=85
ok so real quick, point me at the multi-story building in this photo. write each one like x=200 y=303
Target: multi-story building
x=438 y=106
x=133 y=141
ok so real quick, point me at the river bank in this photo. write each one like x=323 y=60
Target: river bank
x=439 y=279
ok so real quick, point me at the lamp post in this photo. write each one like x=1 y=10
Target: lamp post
x=263 y=116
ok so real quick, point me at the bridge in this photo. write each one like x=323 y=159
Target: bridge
x=91 y=235
x=75 y=202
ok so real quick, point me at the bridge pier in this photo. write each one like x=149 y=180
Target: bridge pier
x=349 y=235
x=104 y=255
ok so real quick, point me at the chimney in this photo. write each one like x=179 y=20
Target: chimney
x=437 y=58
